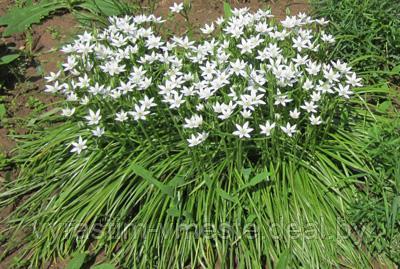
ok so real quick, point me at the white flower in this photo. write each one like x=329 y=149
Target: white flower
x=281 y=99
x=208 y=29
x=225 y=110
x=139 y=113
x=208 y=70
x=234 y=30
x=246 y=113
x=324 y=87
x=188 y=91
x=112 y=68
x=148 y=102
x=68 y=112
x=176 y=8
x=308 y=85
x=238 y=68
x=176 y=101
x=93 y=118
x=315 y=120
x=316 y=96
x=294 y=114
x=183 y=42
x=300 y=60
x=299 y=43
x=310 y=107
x=53 y=88
x=121 y=116
x=353 y=80
x=341 y=67
x=72 y=97
x=331 y=75
x=220 y=20
x=197 y=139
x=123 y=87
x=322 y=21
x=344 y=91
x=193 y=122
x=313 y=68
x=96 y=89
x=84 y=100
x=246 y=46
x=98 y=131
x=243 y=131
x=79 y=146
x=199 y=107
x=153 y=42
x=290 y=22
x=267 y=128
x=70 y=64
x=247 y=72
x=246 y=102
x=84 y=81
x=52 y=76
x=289 y=129
x=328 y=38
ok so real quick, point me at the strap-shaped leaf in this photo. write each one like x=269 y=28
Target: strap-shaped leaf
x=104 y=266
x=227 y=10
x=104 y=7
x=145 y=174
x=77 y=261
x=6 y=59
x=19 y=19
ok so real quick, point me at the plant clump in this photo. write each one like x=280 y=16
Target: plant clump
x=196 y=152
x=254 y=80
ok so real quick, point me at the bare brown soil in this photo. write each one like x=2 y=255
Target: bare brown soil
x=207 y=11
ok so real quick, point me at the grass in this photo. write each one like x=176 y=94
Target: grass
x=372 y=23
x=376 y=209
x=369 y=37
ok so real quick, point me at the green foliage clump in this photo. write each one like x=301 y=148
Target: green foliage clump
x=20 y=18
x=376 y=211
x=367 y=32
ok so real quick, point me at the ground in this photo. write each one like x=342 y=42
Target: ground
x=59 y=29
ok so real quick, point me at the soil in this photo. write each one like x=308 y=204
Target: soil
x=206 y=11
x=59 y=29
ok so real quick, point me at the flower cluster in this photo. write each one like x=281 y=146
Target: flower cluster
x=251 y=78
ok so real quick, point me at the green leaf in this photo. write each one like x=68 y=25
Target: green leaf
x=43 y=116
x=174 y=212
x=105 y=8
x=104 y=266
x=246 y=173
x=8 y=58
x=19 y=19
x=77 y=261
x=283 y=260
x=224 y=195
x=187 y=4
x=144 y=173
x=255 y=180
x=208 y=181
x=396 y=70
x=227 y=10
x=394 y=214
x=384 y=106
x=178 y=179
x=3 y=111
